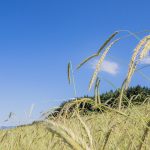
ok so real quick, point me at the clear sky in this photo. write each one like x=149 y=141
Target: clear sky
x=39 y=37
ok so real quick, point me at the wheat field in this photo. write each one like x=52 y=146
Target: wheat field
x=109 y=130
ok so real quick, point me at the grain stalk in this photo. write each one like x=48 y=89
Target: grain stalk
x=138 y=54
x=68 y=72
x=100 y=49
x=71 y=78
x=98 y=66
x=96 y=92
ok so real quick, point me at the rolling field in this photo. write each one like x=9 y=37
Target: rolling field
x=110 y=130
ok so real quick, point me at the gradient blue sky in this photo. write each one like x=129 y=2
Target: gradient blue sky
x=39 y=37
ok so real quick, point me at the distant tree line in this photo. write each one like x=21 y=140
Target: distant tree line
x=132 y=96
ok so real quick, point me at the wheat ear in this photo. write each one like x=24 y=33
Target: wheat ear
x=68 y=72
x=98 y=66
x=133 y=62
x=132 y=68
x=100 y=49
x=145 y=50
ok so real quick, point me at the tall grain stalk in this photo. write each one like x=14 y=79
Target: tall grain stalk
x=68 y=72
x=71 y=78
x=139 y=53
x=100 y=49
x=96 y=92
x=98 y=66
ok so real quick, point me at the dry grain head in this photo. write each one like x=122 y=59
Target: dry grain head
x=133 y=63
x=100 y=49
x=146 y=49
x=99 y=64
x=68 y=71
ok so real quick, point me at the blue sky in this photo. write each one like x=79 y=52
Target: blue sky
x=39 y=37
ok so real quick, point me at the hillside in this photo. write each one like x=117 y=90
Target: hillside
x=110 y=130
